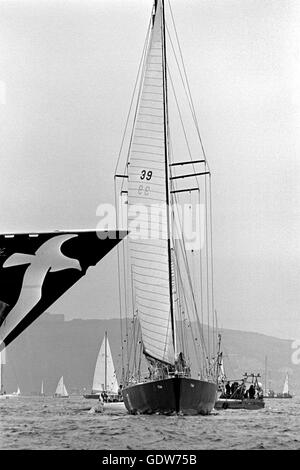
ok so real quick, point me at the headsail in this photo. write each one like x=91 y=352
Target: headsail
x=105 y=378
x=37 y=269
x=147 y=190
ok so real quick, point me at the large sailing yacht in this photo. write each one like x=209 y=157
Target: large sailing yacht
x=168 y=348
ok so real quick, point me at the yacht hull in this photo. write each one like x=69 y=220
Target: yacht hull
x=94 y=396
x=175 y=395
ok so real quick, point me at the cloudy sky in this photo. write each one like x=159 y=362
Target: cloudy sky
x=67 y=71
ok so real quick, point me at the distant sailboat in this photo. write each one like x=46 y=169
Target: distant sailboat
x=3 y=393
x=105 y=379
x=285 y=391
x=61 y=391
x=42 y=390
x=17 y=393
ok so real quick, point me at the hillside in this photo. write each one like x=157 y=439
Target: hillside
x=52 y=347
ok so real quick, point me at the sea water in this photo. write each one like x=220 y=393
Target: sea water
x=70 y=423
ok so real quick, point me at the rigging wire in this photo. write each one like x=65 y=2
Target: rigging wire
x=187 y=83
x=141 y=66
x=186 y=265
x=190 y=101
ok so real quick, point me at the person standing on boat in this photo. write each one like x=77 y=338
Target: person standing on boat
x=251 y=391
x=234 y=388
x=228 y=390
x=120 y=392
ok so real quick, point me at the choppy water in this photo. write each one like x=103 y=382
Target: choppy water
x=49 y=423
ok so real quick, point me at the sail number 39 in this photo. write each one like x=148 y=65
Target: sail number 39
x=146 y=175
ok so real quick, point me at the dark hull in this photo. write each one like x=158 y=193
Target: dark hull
x=95 y=396
x=235 y=404
x=170 y=396
x=278 y=398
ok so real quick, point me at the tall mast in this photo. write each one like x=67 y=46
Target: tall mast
x=166 y=127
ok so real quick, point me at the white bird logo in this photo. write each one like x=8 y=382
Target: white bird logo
x=48 y=258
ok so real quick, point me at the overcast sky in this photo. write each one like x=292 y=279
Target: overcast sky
x=67 y=71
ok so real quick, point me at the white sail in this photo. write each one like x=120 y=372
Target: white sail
x=222 y=370
x=286 y=384
x=17 y=393
x=105 y=366
x=147 y=178
x=42 y=388
x=61 y=389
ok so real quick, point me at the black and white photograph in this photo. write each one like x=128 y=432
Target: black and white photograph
x=149 y=227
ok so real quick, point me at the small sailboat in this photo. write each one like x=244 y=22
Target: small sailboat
x=105 y=379
x=270 y=393
x=285 y=391
x=3 y=393
x=42 y=393
x=17 y=393
x=170 y=366
x=61 y=391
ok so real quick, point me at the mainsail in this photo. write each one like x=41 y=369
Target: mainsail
x=105 y=378
x=148 y=197
x=37 y=269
